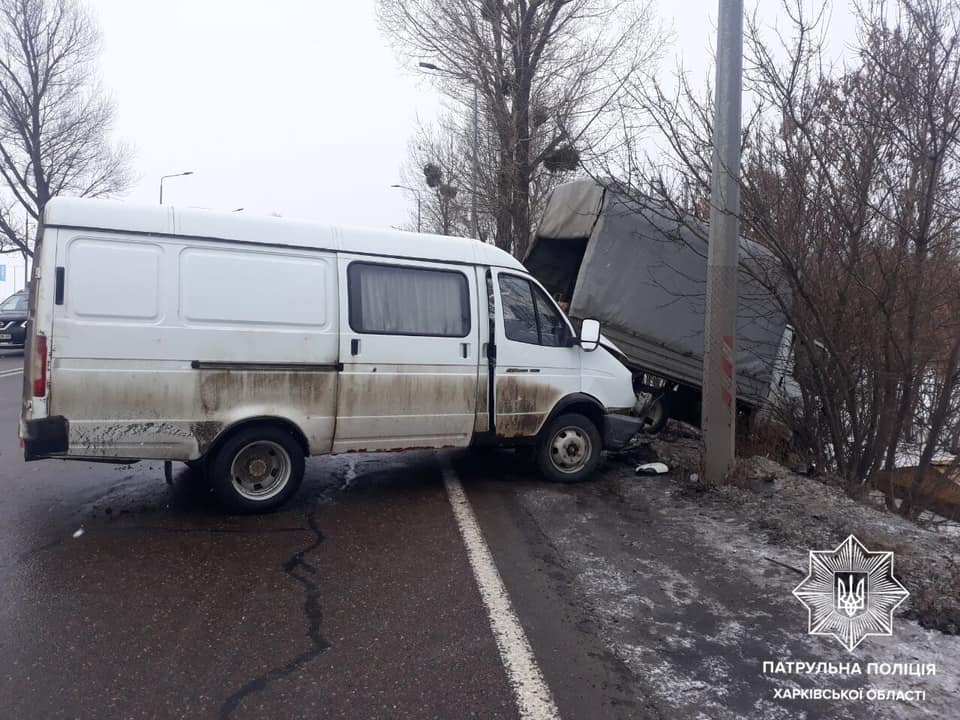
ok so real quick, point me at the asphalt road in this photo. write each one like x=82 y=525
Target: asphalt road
x=122 y=597
x=355 y=601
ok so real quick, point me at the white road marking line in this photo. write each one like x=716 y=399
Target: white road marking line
x=10 y=373
x=533 y=697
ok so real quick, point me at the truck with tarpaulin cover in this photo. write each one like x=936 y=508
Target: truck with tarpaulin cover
x=640 y=268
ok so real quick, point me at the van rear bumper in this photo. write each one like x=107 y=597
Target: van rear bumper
x=45 y=437
x=619 y=429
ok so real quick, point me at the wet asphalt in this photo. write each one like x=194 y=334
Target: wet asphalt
x=122 y=597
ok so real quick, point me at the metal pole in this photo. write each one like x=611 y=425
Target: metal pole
x=476 y=162
x=165 y=177
x=719 y=385
x=419 y=199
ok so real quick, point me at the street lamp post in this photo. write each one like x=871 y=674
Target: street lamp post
x=475 y=159
x=164 y=177
x=415 y=192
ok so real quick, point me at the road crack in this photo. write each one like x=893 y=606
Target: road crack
x=298 y=568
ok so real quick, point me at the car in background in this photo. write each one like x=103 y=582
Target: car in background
x=13 y=320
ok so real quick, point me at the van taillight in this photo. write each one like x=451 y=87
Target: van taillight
x=39 y=369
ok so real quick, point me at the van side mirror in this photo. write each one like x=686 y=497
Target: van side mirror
x=590 y=334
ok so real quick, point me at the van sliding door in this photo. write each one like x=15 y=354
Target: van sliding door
x=409 y=347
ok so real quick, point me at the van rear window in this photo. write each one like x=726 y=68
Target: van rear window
x=398 y=300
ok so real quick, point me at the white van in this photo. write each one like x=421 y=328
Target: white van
x=241 y=345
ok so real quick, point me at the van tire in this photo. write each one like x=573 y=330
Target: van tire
x=569 y=448
x=257 y=469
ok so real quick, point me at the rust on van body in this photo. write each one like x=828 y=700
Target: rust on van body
x=405 y=393
x=121 y=410
x=523 y=405
x=205 y=432
x=122 y=438
x=482 y=421
x=313 y=392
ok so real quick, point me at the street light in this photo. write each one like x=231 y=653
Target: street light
x=475 y=222
x=164 y=177
x=415 y=192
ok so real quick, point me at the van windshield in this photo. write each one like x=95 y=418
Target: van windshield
x=14 y=303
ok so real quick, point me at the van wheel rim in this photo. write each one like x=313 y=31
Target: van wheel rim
x=260 y=470
x=570 y=449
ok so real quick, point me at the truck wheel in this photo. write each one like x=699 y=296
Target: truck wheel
x=656 y=415
x=257 y=469
x=569 y=449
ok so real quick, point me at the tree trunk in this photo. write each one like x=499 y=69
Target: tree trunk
x=503 y=200
x=521 y=117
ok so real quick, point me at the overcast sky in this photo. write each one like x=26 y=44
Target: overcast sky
x=293 y=106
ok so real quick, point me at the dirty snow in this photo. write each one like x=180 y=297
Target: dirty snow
x=694 y=592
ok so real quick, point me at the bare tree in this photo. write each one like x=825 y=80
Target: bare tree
x=54 y=118
x=439 y=167
x=547 y=73
x=851 y=178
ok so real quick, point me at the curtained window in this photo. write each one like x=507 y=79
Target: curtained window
x=394 y=300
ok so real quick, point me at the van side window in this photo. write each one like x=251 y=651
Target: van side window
x=394 y=300
x=519 y=313
x=529 y=315
x=554 y=331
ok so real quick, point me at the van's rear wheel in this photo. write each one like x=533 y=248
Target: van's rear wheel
x=257 y=469
x=569 y=449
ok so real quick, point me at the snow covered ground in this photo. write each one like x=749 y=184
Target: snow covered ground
x=694 y=595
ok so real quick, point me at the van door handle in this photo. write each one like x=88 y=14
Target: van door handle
x=465 y=349
x=355 y=346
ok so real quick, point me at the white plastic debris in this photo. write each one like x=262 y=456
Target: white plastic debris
x=654 y=468
x=77 y=533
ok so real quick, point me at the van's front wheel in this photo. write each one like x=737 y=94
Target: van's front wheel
x=257 y=470
x=569 y=449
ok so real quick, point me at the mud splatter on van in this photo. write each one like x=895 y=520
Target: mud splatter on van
x=523 y=406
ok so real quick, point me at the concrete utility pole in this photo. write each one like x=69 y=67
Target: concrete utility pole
x=719 y=373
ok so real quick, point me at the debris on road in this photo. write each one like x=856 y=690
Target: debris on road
x=653 y=468
x=77 y=533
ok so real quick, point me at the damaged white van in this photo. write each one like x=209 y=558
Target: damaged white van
x=241 y=345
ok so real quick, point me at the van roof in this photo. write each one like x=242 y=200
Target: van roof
x=169 y=220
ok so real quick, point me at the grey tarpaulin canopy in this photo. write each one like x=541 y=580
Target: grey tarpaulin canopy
x=642 y=273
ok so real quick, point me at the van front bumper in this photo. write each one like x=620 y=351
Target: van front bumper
x=619 y=429
x=45 y=437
